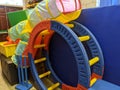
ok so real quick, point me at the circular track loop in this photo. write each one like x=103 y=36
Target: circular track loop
x=76 y=46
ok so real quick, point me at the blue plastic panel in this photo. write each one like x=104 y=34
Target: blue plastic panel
x=35 y=73
x=103 y=85
x=104 y=23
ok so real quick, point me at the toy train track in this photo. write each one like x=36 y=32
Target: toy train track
x=83 y=46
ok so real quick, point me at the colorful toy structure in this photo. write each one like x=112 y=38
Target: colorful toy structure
x=79 y=66
x=47 y=9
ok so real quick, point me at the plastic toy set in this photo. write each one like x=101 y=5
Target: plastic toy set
x=70 y=52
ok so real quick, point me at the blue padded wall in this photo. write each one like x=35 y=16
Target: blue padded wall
x=104 y=23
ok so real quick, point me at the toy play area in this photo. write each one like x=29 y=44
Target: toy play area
x=63 y=48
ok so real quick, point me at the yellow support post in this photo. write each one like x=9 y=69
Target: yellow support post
x=45 y=32
x=93 y=81
x=93 y=61
x=54 y=86
x=84 y=38
x=44 y=74
x=70 y=25
x=39 y=60
x=39 y=46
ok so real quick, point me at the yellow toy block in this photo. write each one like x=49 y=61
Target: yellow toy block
x=7 y=50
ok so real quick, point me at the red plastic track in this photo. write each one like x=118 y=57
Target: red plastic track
x=45 y=25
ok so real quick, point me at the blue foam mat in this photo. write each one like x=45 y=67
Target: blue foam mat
x=103 y=85
x=104 y=23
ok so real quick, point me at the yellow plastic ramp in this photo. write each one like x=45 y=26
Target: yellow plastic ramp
x=93 y=61
x=45 y=74
x=40 y=60
x=39 y=46
x=84 y=38
x=54 y=86
x=92 y=82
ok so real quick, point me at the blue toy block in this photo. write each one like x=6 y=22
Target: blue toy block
x=103 y=85
x=23 y=87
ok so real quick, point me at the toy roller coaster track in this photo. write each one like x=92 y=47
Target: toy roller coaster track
x=81 y=43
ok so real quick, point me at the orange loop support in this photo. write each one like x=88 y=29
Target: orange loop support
x=67 y=87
